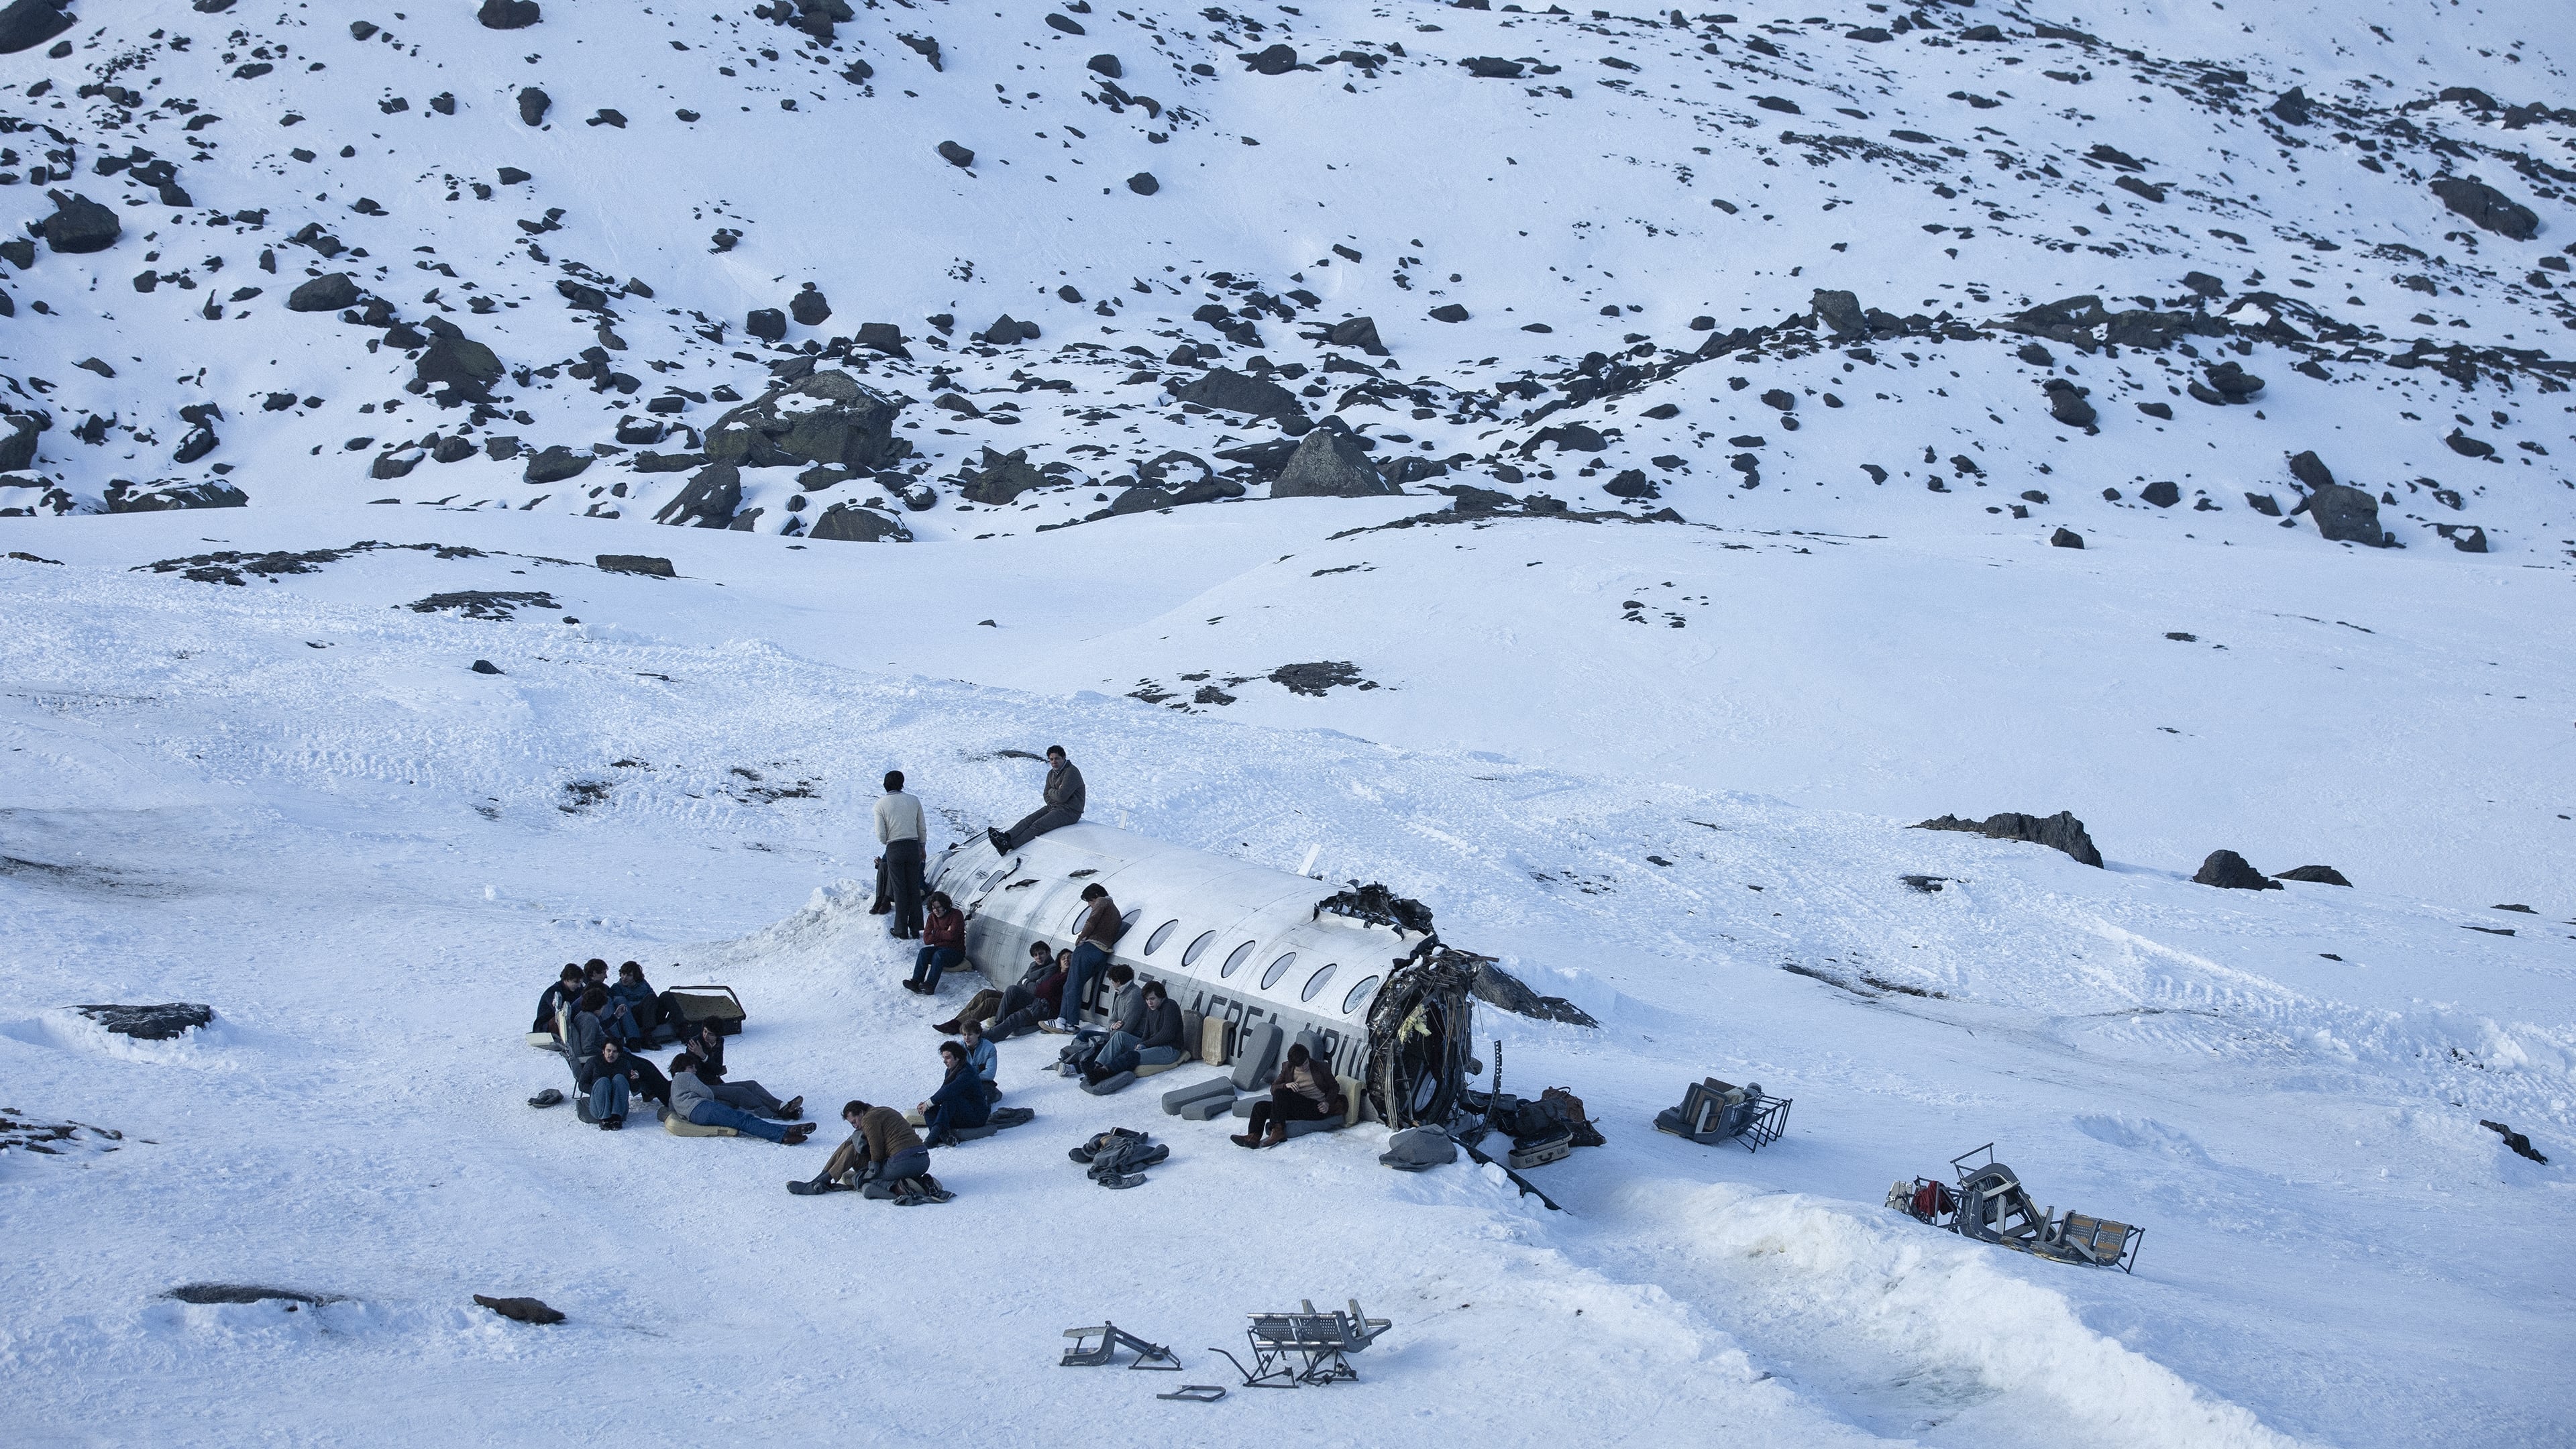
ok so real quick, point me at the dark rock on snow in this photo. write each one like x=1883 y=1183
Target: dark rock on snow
x=1001 y=478
x=244 y=1293
x=707 y=501
x=956 y=155
x=847 y=524
x=30 y=23
x=326 y=293
x=1008 y=331
x=1329 y=464
x=810 y=307
x=508 y=14
x=2486 y=207
x=2315 y=874
x=1359 y=332
x=2066 y=404
x=556 y=464
x=636 y=563
x=766 y=323
x=2061 y=831
x=2161 y=493
x=2520 y=1144
x=486 y=666
x=532 y=105
x=1233 y=392
x=521 y=1310
x=2228 y=871
x=1143 y=183
x=2344 y=515
x=80 y=225
x=150 y=1023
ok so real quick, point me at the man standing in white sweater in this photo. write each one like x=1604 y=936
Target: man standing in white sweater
x=899 y=832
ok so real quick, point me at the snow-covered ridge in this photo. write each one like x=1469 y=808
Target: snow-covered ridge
x=1673 y=239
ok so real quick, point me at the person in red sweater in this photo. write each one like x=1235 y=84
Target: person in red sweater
x=943 y=945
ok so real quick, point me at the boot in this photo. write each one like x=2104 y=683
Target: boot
x=945 y=1028
x=1246 y=1139
x=792 y=1110
x=1277 y=1135
x=797 y=1134
x=1001 y=842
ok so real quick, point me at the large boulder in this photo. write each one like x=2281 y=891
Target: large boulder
x=708 y=501
x=150 y=1023
x=329 y=292
x=2344 y=515
x=1231 y=391
x=18 y=445
x=1359 y=332
x=1000 y=479
x=508 y=14
x=1840 y=311
x=533 y=104
x=845 y=523
x=466 y=369
x=80 y=225
x=2228 y=871
x=766 y=323
x=1330 y=464
x=30 y=23
x=2486 y=207
x=810 y=307
x=556 y=464
x=2315 y=875
x=2061 y=831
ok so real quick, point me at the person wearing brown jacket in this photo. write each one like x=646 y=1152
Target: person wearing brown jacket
x=882 y=1147
x=1101 y=928
x=1065 y=798
x=1305 y=1091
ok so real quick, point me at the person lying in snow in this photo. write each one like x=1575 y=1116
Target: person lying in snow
x=1034 y=999
x=960 y=1100
x=564 y=994
x=695 y=1102
x=1150 y=1037
x=1065 y=798
x=943 y=945
x=1304 y=1092
x=881 y=1148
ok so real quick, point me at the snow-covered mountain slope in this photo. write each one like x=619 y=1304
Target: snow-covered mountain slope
x=309 y=813
x=1670 y=633
x=1639 y=178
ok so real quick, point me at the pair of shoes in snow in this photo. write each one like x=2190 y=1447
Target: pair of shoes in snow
x=920 y=989
x=1055 y=1027
x=920 y=1191
x=816 y=1187
x=796 y=1135
x=791 y=1110
x=1275 y=1136
x=613 y=1124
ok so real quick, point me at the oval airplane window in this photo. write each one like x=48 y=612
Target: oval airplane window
x=1162 y=933
x=1197 y=948
x=1359 y=994
x=1129 y=919
x=1234 y=962
x=1316 y=982
x=1277 y=969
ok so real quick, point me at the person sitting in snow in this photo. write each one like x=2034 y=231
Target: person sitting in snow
x=1151 y=1039
x=980 y=1056
x=959 y=1101
x=1065 y=798
x=882 y=1147
x=943 y=945
x=1034 y=999
x=563 y=996
x=631 y=1012
x=985 y=1006
x=707 y=1045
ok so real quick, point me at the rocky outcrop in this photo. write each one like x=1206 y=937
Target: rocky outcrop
x=2227 y=870
x=1330 y=464
x=2487 y=208
x=163 y=1022
x=847 y=523
x=2315 y=874
x=2061 y=831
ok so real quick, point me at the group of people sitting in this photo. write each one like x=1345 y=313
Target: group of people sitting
x=603 y=1032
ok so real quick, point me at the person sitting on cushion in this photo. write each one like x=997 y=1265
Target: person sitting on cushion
x=960 y=1100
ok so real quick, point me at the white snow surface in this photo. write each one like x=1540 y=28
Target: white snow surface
x=1652 y=765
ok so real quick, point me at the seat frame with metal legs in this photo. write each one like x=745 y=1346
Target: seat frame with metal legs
x=1305 y=1347
x=1085 y=1354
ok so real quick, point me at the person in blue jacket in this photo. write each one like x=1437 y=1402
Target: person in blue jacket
x=960 y=1100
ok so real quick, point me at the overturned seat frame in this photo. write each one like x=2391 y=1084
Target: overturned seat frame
x=1713 y=1111
x=1305 y=1347
x=1991 y=1205
x=1085 y=1354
